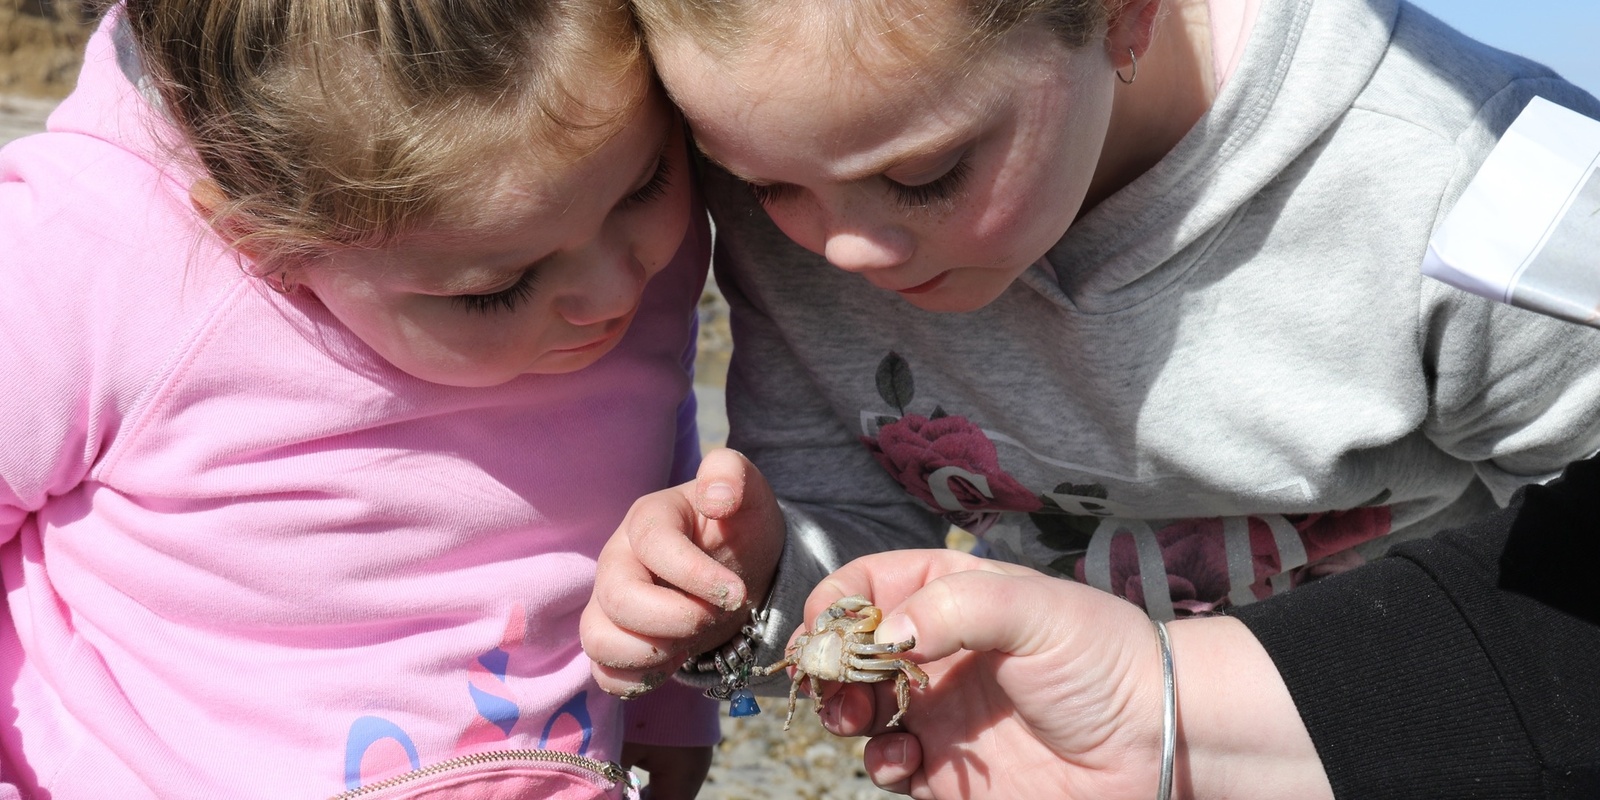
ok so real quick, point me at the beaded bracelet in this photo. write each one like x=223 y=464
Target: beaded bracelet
x=734 y=661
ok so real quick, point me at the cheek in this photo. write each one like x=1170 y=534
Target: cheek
x=992 y=233
x=658 y=232
x=1025 y=215
x=798 y=218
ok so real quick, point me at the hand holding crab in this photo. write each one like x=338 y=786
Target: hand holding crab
x=840 y=647
x=1042 y=686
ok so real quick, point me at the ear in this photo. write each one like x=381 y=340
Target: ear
x=206 y=196
x=207 y=199
x=1132 y=27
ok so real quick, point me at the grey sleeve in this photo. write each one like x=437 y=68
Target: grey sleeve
x=1514 y=392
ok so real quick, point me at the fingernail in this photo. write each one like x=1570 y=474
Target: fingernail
x=895 y=751
x=717 y=497
x=896 y=628
x=830 y=713
x=726 y=597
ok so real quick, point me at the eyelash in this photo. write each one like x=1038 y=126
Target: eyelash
x=768 y=193
x=939 y=189
x=912 y=197
x=506 y=299
x=655 y=188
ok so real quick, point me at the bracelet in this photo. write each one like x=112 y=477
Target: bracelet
x=1169 y=714
x=734 y=661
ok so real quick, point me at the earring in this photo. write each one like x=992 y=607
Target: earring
x=1135 y=72
x=280 y=283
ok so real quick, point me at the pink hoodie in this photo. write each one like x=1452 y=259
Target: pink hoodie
x=246 y=558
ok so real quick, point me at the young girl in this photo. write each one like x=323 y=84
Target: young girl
x=1194 y=362
x=338 y=336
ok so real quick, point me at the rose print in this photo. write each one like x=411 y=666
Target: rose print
x=949 y=464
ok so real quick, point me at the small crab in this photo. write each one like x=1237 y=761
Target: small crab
x=840 y=647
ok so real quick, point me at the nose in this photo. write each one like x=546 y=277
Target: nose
x=608 y=285
x=856 y=241
x=863 y=251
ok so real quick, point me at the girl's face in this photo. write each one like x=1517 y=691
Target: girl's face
x=941 y=184
x=545 y=278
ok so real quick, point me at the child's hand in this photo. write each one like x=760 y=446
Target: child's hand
x=681 y=574
x=1035 y=681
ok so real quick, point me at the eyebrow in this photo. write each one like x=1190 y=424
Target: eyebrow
x=921 y=149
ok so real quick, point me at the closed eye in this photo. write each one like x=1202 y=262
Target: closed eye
x=940 y=189
x=506 y=299
x=768 y=193
x=656 y=187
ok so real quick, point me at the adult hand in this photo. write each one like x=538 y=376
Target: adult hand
x=676 y=773
x=1033 y=684
x=681 y=573
x=1042 y=687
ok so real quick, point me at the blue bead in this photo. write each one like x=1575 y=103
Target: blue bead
x=744 y=704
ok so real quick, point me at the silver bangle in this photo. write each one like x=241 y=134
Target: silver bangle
x=1169 y=714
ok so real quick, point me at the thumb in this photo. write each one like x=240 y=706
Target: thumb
x=984 y=611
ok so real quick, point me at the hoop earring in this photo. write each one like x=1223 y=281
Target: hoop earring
x=1135 y=76
x=280 y=283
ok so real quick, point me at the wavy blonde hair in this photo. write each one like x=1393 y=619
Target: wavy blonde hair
x=330 y=124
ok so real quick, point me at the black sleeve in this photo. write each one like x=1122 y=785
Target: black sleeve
x=1464 y=666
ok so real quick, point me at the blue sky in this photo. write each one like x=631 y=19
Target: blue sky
x=1564 y=34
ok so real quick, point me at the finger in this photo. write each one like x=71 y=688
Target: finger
x=892 y=760
x=982 y=611
x=850 y=710
x=727 y=484
x=721 y=481
x=661 y=536
x=629 y=595
x=621 y=649
x=864 y=709
x=888 y=578
x=626 y=683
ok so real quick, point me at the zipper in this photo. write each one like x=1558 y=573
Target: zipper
x=609 y=770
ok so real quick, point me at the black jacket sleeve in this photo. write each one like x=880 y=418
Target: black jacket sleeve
x=1464 y=666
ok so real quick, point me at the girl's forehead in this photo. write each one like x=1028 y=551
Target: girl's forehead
x=508 y=180
x=882 y=32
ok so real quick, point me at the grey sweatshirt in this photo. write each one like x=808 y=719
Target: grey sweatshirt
x=1225 y=380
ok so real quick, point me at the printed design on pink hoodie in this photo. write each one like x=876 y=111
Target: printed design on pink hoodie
x=377 y=748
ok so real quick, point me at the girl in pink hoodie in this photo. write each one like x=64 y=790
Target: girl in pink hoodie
x=337 y=336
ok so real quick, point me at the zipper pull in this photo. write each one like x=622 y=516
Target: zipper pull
x=631 y=787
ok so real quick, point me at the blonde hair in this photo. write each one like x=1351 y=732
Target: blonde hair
x=724 y=27
x=328 y=124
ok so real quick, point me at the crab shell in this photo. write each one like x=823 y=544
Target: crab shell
x=840 y=647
